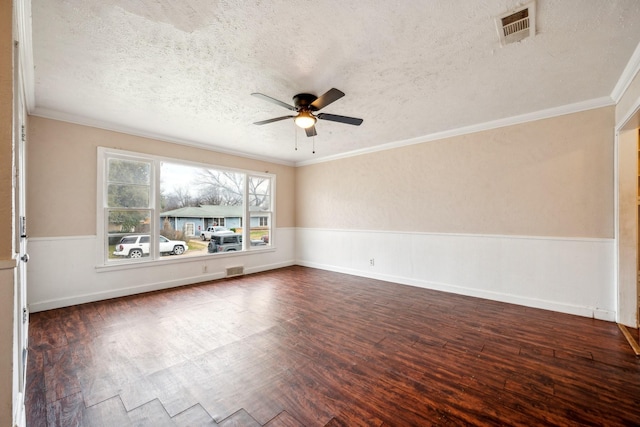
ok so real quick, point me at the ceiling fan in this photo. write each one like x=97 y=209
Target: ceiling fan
x=305 y=104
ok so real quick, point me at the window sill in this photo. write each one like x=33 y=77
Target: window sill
x=177 y=259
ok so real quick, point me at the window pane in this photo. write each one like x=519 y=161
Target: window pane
x=260 y=192
x=129 y=183
x=129 y=172
x=260 y=210
x=123 y=228
x=197 y=202
x=128 y=196
x=260 y=230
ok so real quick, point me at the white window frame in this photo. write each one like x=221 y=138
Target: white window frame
x=104 y=153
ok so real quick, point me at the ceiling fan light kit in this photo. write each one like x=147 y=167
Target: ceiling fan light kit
x=305 y=104
x=305 y=119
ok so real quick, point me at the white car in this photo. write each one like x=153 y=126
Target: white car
x=206 y=234
x=137 y=246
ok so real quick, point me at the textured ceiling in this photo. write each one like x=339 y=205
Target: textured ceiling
x=184 y=70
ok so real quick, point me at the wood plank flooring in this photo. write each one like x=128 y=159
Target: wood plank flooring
x=304 y=347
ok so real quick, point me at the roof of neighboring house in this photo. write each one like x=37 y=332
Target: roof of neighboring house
x=207 y=211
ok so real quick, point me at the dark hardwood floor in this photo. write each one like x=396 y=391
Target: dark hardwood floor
x=305 y=347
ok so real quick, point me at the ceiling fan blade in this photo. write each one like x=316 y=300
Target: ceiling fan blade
x=341 y=119
x=274 y=101
x=277 y=119
x=330 y=96
x=311 y=131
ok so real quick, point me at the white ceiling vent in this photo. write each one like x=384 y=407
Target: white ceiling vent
x=517 y=25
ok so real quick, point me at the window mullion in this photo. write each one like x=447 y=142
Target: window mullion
x=154 y=230
x=246 y=229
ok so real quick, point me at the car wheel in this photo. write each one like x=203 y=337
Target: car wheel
x=178 y=250
x=135 y=253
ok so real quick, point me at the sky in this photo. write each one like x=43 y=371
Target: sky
x=174 y=176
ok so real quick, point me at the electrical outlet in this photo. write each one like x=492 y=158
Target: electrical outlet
x=372 y=262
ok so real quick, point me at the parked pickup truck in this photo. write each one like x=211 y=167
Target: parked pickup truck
x=206 y=234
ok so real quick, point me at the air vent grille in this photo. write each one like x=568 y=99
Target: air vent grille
x=515 y=23
x=516 y=26
x=235 y=271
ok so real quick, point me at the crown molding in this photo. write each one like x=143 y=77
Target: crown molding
x=509 y=121
x=85 y=121
x=495 y=124
x=22 y=10
x=627 y=76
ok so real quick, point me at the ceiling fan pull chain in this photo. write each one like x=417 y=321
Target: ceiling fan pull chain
x=314 y=144
x=295 y=132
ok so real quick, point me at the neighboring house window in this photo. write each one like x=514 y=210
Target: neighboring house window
x=155 y=200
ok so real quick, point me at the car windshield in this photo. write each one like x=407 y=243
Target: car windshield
x=163 y=239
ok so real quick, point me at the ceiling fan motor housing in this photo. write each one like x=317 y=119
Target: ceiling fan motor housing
x=303 y=101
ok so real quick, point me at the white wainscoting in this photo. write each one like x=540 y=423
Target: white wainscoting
x=62 y=271
x=569 y=275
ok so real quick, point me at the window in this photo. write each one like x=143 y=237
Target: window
x=164 y=205
x=128 y=199
x=190 y=229
x=218 y=221
x=260 y=210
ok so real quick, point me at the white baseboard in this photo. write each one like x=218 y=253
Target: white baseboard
x=571 y=275
x=568 y=275
x=150 y=287
x=19 y=415
x=56 y=279
x=494 y=296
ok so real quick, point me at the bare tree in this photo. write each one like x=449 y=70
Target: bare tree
x=219 y=188
x=224 y=187
x=179 y=198
x=259 y=191
x=209 y=195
